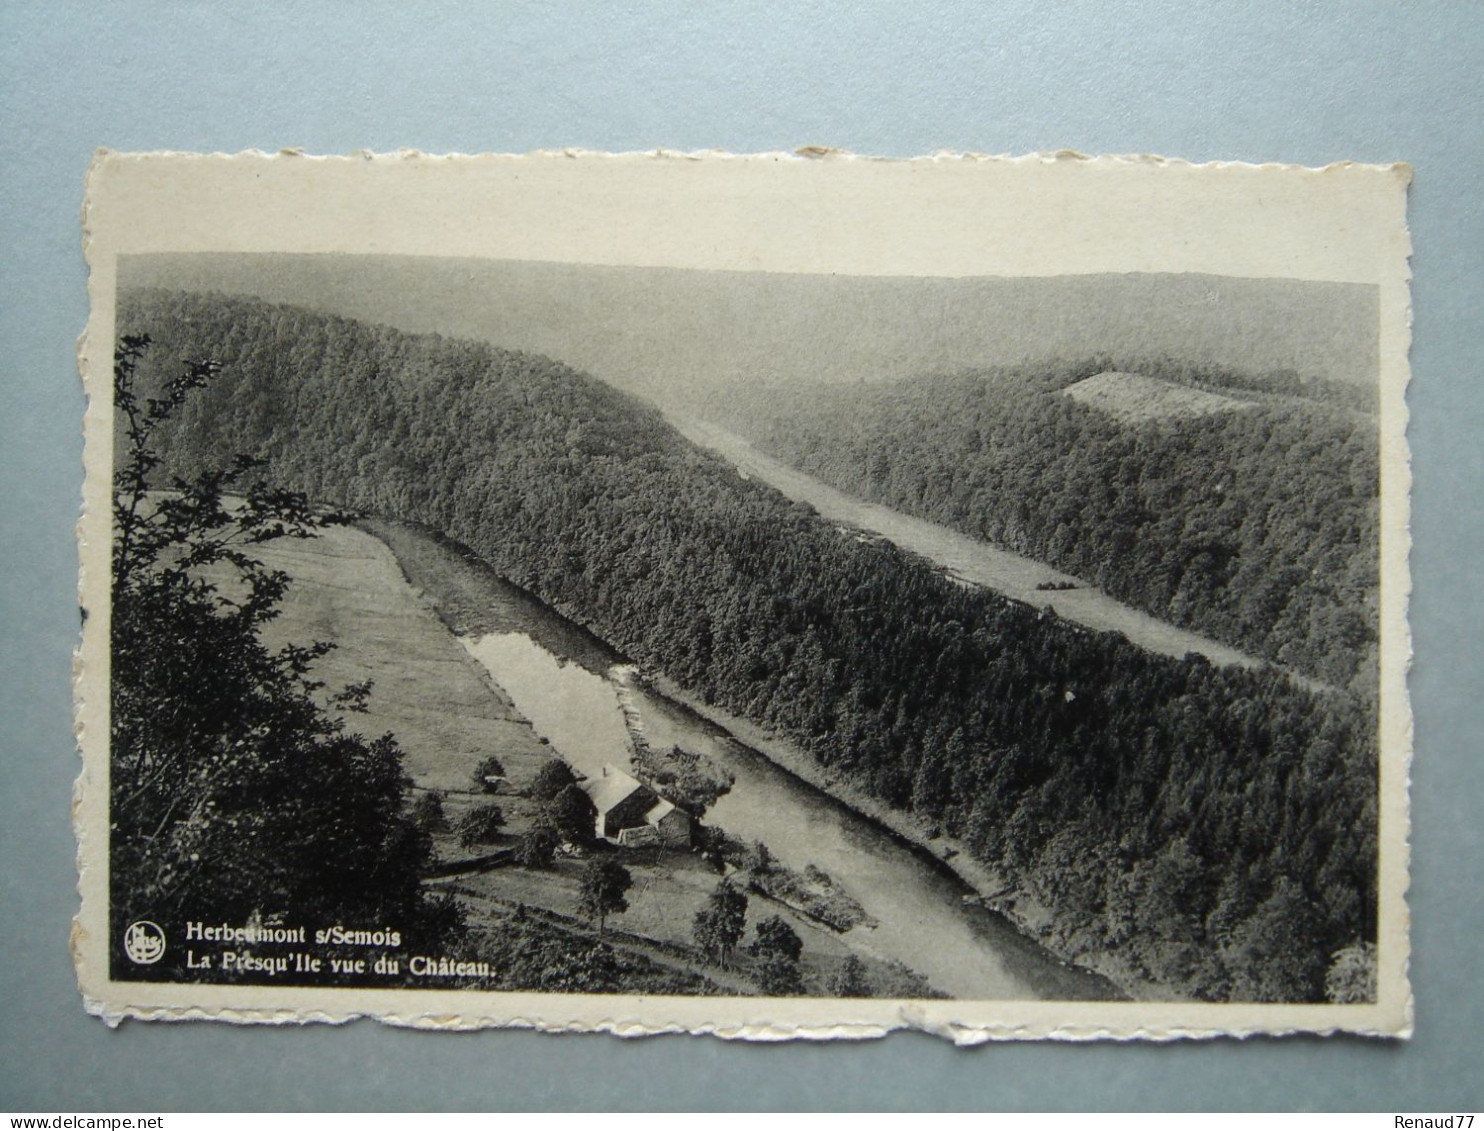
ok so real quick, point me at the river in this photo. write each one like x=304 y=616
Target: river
x=970 y=560
x=570 y=687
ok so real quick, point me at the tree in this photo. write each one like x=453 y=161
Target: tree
x=605 y=883
x=758 y=858
x=536 y=848
x=718 y=925
x=1271 y=954
x=776 y=937
x=235 y=790
x=427 y=812
x=779 y=976
x=572 y=815
x=850 y=979
x=553 y=777
x=779 y=947
x=485 y=774
x=481 y=825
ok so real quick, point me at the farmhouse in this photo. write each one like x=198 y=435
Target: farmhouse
x=632 y=814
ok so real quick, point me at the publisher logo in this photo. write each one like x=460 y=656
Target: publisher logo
x=144 y=942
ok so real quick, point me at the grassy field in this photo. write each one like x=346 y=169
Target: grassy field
x=446 y=715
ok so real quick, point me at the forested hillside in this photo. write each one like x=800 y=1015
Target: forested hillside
x=1214 y=828
x=1256 y=526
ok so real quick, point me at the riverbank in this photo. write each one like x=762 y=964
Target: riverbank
x=348 y=587
x=976 y=563
x=488 y=615
x=989 y=887
x=468 y=595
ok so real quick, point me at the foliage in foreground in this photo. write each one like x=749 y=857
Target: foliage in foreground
x=236 y=793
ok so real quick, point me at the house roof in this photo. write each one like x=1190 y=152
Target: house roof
x=660 y=810
x=612 y=787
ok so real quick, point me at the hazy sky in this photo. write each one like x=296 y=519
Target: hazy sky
x=662 y=332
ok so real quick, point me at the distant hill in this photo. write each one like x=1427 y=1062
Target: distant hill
x=680 y=336
x=1241 y=507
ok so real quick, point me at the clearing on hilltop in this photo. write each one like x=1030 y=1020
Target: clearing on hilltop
x=1133 y=398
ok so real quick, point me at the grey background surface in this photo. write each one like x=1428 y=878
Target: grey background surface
x=1256 y=81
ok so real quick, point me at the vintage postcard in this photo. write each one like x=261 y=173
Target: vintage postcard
x=781 y=596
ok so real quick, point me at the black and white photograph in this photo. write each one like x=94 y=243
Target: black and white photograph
x=776 y=597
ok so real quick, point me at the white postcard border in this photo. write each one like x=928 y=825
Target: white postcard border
x=1341 y=223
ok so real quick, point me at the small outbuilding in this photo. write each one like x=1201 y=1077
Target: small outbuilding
x=631 y=814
